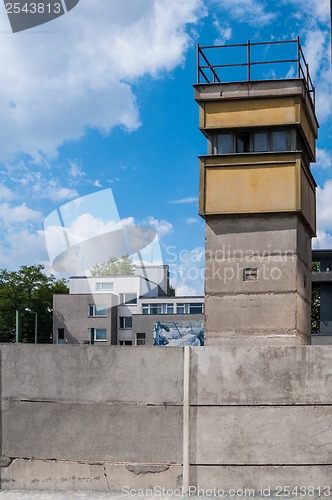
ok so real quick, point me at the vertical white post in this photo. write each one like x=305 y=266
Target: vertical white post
x=186 y=408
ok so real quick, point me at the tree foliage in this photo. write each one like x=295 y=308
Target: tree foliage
x=114 y=266
x=28 y=291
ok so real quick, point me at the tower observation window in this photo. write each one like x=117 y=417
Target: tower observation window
x=256 y=141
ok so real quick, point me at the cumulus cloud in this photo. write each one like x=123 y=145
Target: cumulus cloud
x=323 y=240
x=162 y=227
x=18 y=215
x=5 y=193
x=77 y=75
x=224 y=32
x=324 y=206
x=324 y=158
x=253 y=12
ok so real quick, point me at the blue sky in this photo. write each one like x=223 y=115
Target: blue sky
x=102 y=98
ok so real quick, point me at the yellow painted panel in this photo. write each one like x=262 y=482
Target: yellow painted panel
x=308 y=132
x=308 y=201
x=250 y=113
x=251 y=190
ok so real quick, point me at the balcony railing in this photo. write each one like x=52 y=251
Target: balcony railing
x=209 y=72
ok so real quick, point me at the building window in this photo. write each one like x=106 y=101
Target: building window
x=243 y=142
x=260 y=141
x=97 y=310
x=250 y=274
x=125 y=342
x=105 y=286
x=126 y=322
x=61 y=334
x=140 y=338
x=279 y=140
x=169 y=308
x=225 y=143
x=100 y=334
x=128 y=298
x=146 y=308
x=196 y=308
x=156 y=309
x=251 y=141
x=180 y=308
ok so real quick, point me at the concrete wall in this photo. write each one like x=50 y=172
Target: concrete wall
x=80 y=417
x=275 y=308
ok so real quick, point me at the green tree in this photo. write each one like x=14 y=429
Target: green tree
x=315 y=304
x=114 y=266
x=30 y=292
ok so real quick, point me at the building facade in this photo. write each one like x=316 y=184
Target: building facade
x=127 y=310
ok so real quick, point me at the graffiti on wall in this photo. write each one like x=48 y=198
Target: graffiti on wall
x=178 y=333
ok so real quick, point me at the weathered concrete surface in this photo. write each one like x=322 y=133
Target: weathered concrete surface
x=88 y=373
x=261 y=435
x=264 y=477
x=30 y=474
x=92 y=432
x=261 y=376
x=321 y=339
x=256 y=315
x=257 y=416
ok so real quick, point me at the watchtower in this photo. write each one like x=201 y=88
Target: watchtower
x=257 y=196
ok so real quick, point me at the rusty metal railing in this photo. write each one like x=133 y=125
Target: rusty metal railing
x=212 y=73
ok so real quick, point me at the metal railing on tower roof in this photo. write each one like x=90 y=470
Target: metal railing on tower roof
x=210 y=72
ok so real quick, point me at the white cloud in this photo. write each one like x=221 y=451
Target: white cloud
x=17 y=215
x=192 y=220
x=162 y=227
x=315 y=9
x=183 y=201
x=185 y=291
x=324 y=206
x=5 y=193
x=324 y=158
x=224 y=32
x=23 y=248
x=56 y=83
x=323 y=240
x=54 y=191
x=75 y=170
x=253 y=12
x=186 y=270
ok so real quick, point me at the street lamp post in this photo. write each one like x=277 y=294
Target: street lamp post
x=36 y=324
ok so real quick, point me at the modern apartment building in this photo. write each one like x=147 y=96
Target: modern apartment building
x=127 y=310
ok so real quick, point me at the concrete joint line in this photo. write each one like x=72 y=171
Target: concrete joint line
x=186 y=408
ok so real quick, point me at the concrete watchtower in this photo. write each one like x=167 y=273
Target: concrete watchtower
x=257 y=196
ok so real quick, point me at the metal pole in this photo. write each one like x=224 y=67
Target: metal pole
x=18 y=338
x=331 y=33
x=36 y=328
x=249 y=61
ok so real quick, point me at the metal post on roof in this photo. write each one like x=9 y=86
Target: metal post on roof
x=299 y=57
x=249 y=61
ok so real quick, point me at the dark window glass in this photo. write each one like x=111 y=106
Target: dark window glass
x=242 y=142
x=156 y=309
x=140 y=338
x=61 y=334
x=260 y=141
x=279 y=140
x=126 y=322
x=180 y=309
x=195 y=308
x=224 y=144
